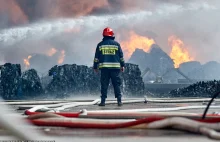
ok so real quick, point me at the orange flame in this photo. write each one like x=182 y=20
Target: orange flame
x=51 y=52
x=136 y=41
x=26 y=62
x=179 y=52
x=62 y=56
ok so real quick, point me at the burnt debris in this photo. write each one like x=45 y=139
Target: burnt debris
x=16 y=85
x=155 y=63
x=157 y=60
x=10 y=81
x=62 y=81
x=30 y=85
x=199 y=89
x=72 y=79
x=80 y=80
x=132 y=82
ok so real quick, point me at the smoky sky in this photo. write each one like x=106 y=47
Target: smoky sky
x=32 y=27
x=34 y=10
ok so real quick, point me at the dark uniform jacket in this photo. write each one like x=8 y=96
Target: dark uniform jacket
x=108 y=55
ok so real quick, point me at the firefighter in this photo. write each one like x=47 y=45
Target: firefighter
x=109 y=60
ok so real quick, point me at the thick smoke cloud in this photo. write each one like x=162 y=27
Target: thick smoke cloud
x=41 y=27
x=11 y=14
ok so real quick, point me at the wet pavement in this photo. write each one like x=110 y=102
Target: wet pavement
x=116 y=135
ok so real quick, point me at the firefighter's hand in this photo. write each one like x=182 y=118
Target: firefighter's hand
x=122 y=69
x=96 y=70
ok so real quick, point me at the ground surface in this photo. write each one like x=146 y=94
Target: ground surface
x=116 y=135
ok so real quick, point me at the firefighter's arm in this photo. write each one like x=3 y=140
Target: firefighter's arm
x=96 y=59
x=122 y=61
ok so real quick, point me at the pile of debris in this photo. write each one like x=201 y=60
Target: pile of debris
x=72 y=79
x=200 y=89
x=10 y=80
x=16 y=85
x=81 y=80
x=66 y=80
x=30 y=85
x=157 y=60
x=132 y=82
x=155 y=63
x=208 y=71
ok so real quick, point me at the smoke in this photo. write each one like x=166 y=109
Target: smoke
x=11 y=14
x=76 y=26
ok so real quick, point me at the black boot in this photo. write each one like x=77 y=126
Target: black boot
x=102 y=102
x=119 y=102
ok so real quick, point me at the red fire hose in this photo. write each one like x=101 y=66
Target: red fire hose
x=76 y=123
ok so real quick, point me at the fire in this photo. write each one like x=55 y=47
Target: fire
x=62 y=56
x=51 y=52
x=179 y=52
x=26 y=62
x=136 y=41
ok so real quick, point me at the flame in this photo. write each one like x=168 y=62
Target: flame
x=26 y=62
x=62 y=56
x=51 y=52
x=179 y=52
x=136 y=41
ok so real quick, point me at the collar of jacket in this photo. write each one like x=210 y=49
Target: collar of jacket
x=108 y=37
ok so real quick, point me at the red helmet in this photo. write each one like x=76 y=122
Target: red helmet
x=108 y=32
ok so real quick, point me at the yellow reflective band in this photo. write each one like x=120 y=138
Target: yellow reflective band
x=108 y=47
x=109 y=65
x=122 y=59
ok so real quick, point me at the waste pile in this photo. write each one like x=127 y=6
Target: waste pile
x=189 y=67
x=30 y=85
x=199 y=89
x=72 y=79
x=132 y=82
x=81 y=80
x=208 y=71
x=64 y=81
x=10 y=80
x=157 y=62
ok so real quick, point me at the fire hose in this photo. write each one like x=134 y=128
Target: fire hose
x=208 y=127
x=62 y=106
x=33 y=110
x=125 y=101
x=120 y=114
x=131 y=123
x=157 y=122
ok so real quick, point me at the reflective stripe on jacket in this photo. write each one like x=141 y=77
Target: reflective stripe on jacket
x=108 y=55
